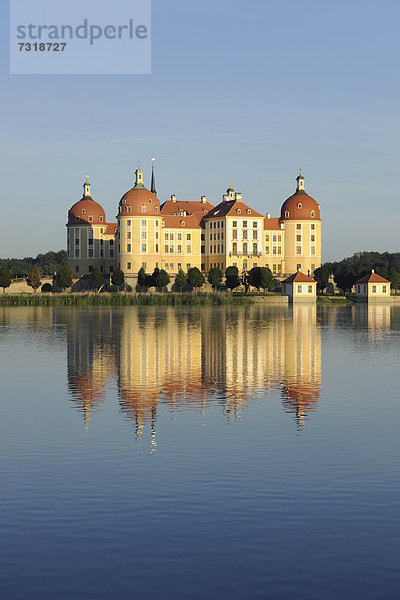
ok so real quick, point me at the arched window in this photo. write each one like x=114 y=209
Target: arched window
x=244 y=247
x=101 y=219
x=238 y=211
x=287 y=214
x=313 y=213
x=299 y=205
x=83 y=211
x=143 y=209
x=248 y=211
x=90 y=218
x=255 y=249
x=234 y=247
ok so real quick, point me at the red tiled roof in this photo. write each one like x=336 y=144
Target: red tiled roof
x=299 y=206
x=230 y=208
x=189 y=206
x=299 y=277
x=372 y=278
x=111 y=228
x=183 y=222
x=272 y=223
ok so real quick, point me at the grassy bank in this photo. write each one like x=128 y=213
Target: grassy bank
x=121 y=299
x=333 y=300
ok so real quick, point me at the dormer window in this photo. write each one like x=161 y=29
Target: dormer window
x=77 y=219
x=313 y=213
x=143 y=209
x=90 y=218
x=287 y=214
x=248 y=211
x=83 y=211
x=183 y=223
x=299 y=205
x=101 y=219
x=238 y=211
x=156 y=209
x=123 y=200
x=149 y=200
x=128 y=209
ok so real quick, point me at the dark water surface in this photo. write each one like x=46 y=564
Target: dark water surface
x=200 y=453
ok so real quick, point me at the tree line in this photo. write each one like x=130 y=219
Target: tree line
x=48 y=263
x=349 y=270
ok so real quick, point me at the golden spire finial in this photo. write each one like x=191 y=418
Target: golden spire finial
x=87 y=178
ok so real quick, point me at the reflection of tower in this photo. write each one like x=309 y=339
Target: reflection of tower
x=159 y=361
x=379 y=317
x=301 y=378
x=90 y=358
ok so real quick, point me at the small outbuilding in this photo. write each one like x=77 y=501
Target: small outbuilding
x=300 y=288
x=373 y=288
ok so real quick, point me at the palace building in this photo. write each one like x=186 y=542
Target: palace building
x=180 y=234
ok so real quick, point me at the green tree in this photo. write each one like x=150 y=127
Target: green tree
x=195 y=277
x=96 y=279
x=266 y=278
x=64 y=278
x=154 y=278
x=321 y=276
x=254 y=277
x=162 y=279
x=141 y=278
x=180 y=280
x=395 y=279
x=232 y=278
x=5 y=278
x=215 y=277
x=34 y=278
x=117 y=277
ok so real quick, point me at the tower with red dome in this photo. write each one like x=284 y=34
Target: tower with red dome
x=300 y=217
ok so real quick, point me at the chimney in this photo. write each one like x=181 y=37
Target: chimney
x=203 y=199
x=268 y=215
x=225 y=198
x=373 y=270
x=238 y=197
x=173 y=198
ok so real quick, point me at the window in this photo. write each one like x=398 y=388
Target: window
x=111 y=253
x=188 y=236
x=255 y=234
x=203 y=237
x=299 y=289
x=203 y=250
x=279 y=238
x=144 y=223
x=274 y=268
x=171 y=249
x=144 y=247
x=238 y=211
x=279 y=267
x=298 y=249
x=245 y=234
x=188 y=265
x=254 y=224
x=129 y=248
x=286 y=214
x=274 y=238
x=129 y=235
x=111 y=269
x=312 y=250
x=77 y=253
x=234 y=247
x=267 y=238
x=245 y=224
x=312 y=268
x=90 y=218
x=129 y=266
x=234 y=223
x=101 y=219
x=90 y=253
x=144 y=235
x=90 y=241
x=313 y=238
x=234 y=234
x=83 y=211
x=310 y=289
x=248 y=211
x=171 y=266
x=179 y=266
x=203 y=266
x=274 y=250
x=76 y=269
x=313 y=226
x=245 y=248
x=266 y=249
x=255 y=249
x=129 y=223
x=279 y=250
x=179 y=236
x=188 y=249
x=156 y=247
x=374 y=289
x=144 y=265
x=298 y=226
x=171 y=236
x=111 y=242
x=384 y=289
x=298 y=267
x=143 y=209
x=166 y=248
x=312 y=214
x=179 y=249
x=298 y=238
x=299 y=205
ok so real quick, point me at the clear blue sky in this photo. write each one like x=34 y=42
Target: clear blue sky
x=249 y=91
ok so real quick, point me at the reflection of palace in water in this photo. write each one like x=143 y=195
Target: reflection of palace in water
x=192 y=357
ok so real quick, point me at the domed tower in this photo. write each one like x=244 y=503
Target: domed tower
x=300 y=215
x=85 y=234
x=139 y=229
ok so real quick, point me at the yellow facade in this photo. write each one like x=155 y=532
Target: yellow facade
x=232 y=233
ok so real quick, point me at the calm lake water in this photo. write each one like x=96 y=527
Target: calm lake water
x=200 y=453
